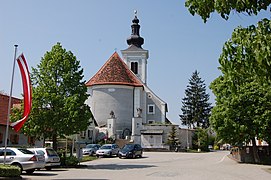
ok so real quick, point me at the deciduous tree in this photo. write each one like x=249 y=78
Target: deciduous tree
x=242 y=110
x=59 y=96
x=224 y=7
x=242 y=91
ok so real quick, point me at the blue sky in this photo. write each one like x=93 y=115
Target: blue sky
x=178 y=42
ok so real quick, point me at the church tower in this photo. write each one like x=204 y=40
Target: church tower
x=135 y=56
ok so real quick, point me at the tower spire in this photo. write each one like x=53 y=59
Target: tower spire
x=135 y=38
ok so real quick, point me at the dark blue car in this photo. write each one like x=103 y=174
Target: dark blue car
x=131 y=151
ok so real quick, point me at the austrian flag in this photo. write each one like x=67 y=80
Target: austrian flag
x=26 y=91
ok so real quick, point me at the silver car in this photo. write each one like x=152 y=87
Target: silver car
x=91 y=149
x=26 y=160
x=108 y=150
x=51 y=157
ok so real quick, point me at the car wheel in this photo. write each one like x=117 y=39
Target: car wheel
x=30 y=171
x=19 y=166
x=91 y=153
x=48 y=168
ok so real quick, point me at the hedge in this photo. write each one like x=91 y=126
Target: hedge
x=9 y=171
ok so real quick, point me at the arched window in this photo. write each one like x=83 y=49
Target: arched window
x=134 y=67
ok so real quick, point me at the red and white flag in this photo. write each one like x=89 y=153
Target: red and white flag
x=27 y=92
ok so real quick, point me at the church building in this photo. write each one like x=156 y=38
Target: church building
x=121 y=101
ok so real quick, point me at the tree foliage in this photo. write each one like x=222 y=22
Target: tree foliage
x=205 y=8
x=172 y=137
x=202 y=139
x=242 y=109
x=248 y=52
x=243 y=91
x=59 y=96
x=195 y=106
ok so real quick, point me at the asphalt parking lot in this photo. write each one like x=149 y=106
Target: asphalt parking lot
x=161 y=165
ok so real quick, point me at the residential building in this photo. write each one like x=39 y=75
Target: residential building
x=14 y=138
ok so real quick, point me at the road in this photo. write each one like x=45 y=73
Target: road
x=164 y=166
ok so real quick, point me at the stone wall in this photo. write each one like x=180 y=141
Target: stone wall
x=245 y=154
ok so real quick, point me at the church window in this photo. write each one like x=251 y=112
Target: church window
x=134 y=67
x=151 y=109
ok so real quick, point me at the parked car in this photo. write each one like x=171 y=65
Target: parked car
x=91 y=149
x=108 y=150
x=131 y=151
x=51 y=157
x=26 y=160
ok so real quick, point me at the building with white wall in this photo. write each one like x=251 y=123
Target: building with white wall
x=121 y=100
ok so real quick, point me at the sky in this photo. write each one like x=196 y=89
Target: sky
x=93 y=30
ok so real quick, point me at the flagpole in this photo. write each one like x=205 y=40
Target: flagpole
x=9 y=102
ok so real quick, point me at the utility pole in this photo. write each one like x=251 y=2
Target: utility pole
x=187 y=139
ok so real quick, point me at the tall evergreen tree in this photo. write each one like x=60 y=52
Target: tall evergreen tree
x=195 y=106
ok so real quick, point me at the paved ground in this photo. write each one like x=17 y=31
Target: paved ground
x=162 y=165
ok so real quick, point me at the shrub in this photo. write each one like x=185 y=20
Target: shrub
x=216 y=147
x=71 y=161
x=9 y=171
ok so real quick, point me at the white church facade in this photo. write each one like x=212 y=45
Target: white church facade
x=121 y=102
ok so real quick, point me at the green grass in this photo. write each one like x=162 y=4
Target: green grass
x=88 y=158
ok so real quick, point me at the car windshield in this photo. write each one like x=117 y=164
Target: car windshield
x=40 y=152
x=90 y=146
x=106 y=147
x=25 y=151
x=128 y=147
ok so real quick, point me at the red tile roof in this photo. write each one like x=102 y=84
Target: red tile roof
x=4 y=99
x=116 y=72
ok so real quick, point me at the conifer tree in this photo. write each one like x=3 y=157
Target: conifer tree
x=172 y=137
x=195 y=106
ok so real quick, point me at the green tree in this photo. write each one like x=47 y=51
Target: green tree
x=224 y=7
x=242 y=92
x=172 y=140
x=242 y=110
x=59 y=95
x=195 y=106
x=242 y=114
x=201 y=139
